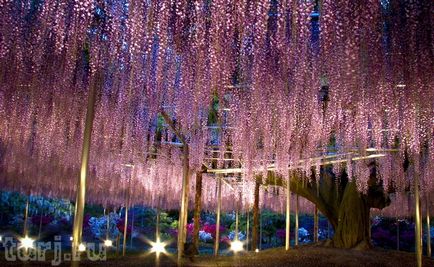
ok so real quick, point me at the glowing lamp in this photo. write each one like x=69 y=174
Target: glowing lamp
x=236 y=245
x=108 y=243
x=1 y=238
x=81 y=247
x=256 y=250
x=71 y=238
x=158 y=247
x=401 y=85
x=27 y=242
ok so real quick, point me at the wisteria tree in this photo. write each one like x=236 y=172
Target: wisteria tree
x=289 y=76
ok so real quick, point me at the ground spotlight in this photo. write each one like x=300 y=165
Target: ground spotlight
x=108 y=243
x=81 y=247
x=27 y=242
x=158 y=247
x=236 y=245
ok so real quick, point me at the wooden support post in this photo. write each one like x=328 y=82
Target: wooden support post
x=81 y=183
x=107 y=234
x=315 y=225
x=219 y=203
x=197 y=209
x=428 y=228
x=157 y=226
x=418 y=228
x=184 y=203
x=260 y=231
x=288 y=216
x=236 y=224
x=255 y=228
x=127 y=205
x=182 y=235
x=132 y=229
x=26 y=218
x=237 y=218
x=124 y=245
x=296 y=220
x=247 y=229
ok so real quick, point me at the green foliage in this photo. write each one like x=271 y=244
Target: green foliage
x=174 y=224
x=93 y=210
x=213 y=110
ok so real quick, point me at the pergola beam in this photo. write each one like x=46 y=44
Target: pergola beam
x=298 y=166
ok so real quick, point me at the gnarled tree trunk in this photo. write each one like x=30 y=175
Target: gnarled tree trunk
x=197 y=209
x=255 y=228
x=346 y=209
x=353 y=220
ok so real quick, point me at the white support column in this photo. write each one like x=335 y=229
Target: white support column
x=80 y=200
x=296 y=221
x=124 y=244
x=315 y=225
x=418 y=228
x=26 y=218
x=247 y=229
x=428 y=228
x=288 y=215
x=184 y=203
x=219 y=203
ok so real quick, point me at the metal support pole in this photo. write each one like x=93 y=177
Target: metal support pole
x=256 y=217
x=418 y=227
x=81 y=183
x=247 y=230
x=260 y=230
x=132 y=229
x=236 y=224
x=288 y=215
x=26 y=218
x=184 y=203
x=157 y=237
x=428 y=228
x=315 y=225
x=236 y=217
x=219 y=203
x=157 y=226
x=107 y=234
x=296 y=220
x=124 y=245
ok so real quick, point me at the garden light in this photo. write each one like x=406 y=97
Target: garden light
x=158 y=247
x=81 y=247
x=108 y=243
x=257 y=250
x=27 y=242
x=237 y=245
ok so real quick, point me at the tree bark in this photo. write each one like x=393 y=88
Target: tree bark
x=346 y=209
x=255 y=228
x=197 y=209
x=315 y=225
x=353 y=222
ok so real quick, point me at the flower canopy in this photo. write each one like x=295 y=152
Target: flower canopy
x=250 y=84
